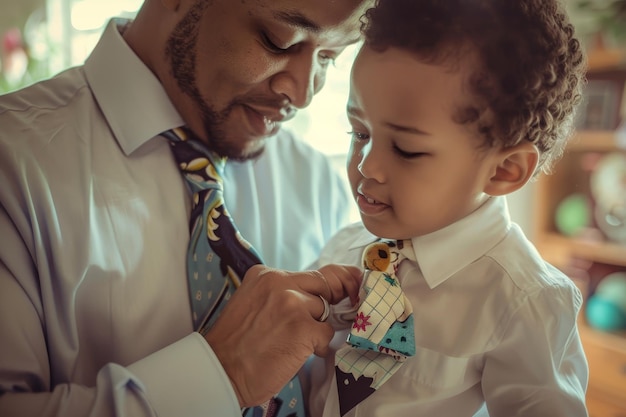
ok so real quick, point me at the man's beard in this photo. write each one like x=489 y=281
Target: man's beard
x=181 y=51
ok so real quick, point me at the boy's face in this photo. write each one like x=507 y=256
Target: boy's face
x=412 y=168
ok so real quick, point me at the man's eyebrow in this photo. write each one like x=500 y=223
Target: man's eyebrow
x=297 y=19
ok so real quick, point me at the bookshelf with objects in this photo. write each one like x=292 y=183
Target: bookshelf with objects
x=580 y=226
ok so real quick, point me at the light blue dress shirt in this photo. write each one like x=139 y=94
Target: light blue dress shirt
x=288 y=203
x=94 y=305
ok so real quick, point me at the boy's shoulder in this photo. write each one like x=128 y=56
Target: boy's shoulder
x=527 y=273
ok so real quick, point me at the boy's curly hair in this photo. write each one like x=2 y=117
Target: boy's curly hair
x=530 y=65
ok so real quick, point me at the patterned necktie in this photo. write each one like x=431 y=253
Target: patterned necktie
x=381 y=337
x=218 y=257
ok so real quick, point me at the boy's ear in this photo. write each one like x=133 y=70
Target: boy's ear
x=513 y=168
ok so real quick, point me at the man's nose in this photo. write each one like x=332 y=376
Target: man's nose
x=299 y=81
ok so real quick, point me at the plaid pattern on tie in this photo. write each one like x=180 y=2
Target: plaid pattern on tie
x=382 y=335
x=218 y=256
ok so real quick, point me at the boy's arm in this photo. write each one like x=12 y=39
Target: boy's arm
x=539 y=367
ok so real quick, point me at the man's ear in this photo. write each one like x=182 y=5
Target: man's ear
x=513 y=167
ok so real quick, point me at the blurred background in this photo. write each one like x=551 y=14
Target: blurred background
x=576 y=216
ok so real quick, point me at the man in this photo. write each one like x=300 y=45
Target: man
x=94 y=305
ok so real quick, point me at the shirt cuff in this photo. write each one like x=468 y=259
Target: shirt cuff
x=186 y=379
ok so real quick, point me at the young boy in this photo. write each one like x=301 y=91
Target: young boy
x=455 y=104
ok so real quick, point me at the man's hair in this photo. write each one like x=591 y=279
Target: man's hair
x=529 y=66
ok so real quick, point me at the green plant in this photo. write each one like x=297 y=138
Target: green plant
x=610 y=16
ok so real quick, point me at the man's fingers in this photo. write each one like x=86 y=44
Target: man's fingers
x=312 y=289
x=346 y=279
x=333 y=282
x=278 y=313
x=324 y=333
x=325 y=310
x=315 y=283
x=328 y=293
x=317 y=305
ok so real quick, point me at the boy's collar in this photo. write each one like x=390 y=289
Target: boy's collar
x=445 y=252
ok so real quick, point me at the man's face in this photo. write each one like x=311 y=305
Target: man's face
x=241 y=67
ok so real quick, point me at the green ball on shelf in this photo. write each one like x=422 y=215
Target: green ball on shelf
x=572 y=214
x=604 y=315
x=613 y=288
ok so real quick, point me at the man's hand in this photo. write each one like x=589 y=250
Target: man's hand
x=269 y=327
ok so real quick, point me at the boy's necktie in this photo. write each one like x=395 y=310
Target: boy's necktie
x=218 y=257
x=382 y=334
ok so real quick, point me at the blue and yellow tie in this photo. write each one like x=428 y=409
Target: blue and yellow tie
x=218 y=257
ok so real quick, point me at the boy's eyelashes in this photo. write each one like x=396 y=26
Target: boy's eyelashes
x=360 y=136
x=406 y=154
x=326 y=58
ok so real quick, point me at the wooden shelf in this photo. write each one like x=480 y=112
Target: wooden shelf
x=605 y=351
x=569 y=177
x=611 y=340
x=609 y=253
x=606 y=59
x=595 y=140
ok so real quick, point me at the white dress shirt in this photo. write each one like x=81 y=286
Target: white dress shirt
x=495 y=325
x=94 y=307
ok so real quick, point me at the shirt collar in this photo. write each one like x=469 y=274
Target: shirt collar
x=467 y=240
x=490 y=222
x=132 y=99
